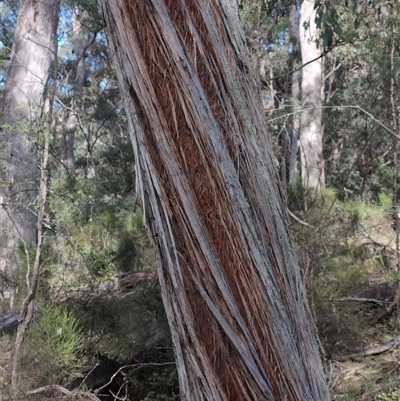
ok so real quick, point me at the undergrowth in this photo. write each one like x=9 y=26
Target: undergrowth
x=347 y=253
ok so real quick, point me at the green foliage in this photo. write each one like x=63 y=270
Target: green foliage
x=98 y=227
x=298 y=196
x=101 y=264
x=336 y=249
x=95 y=230
x=346 y=252
x=53 y=346
x=389 y=395
x=395 y=277
x=118 y=327
x=385 y=200
x=327 y=21
x=152 y=382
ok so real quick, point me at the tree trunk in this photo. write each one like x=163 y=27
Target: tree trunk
x=312 y=160
x=67 y=156
x=32 y=54
x=231 y=286
x=296 y=91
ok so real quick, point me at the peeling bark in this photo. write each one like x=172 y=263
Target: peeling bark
x=312 y=159
x=22 y=103
x=231 y=286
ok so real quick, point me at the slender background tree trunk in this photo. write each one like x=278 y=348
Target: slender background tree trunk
x=312 y=160
x=231 y=286
x=80 y=43
x=296 y=92
x=31 y=57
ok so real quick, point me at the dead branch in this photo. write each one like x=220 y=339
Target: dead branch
x=51 y=387
x=297 y=219
x=63 y=390
x=380 y=349
x=135 y=367
x=357 y=299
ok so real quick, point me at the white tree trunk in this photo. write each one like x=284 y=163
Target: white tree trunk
x=231 y=286
x=312 y=161
x=22 y=102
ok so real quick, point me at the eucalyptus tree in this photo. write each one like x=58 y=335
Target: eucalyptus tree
x=22 y=103
x=294 y=33
x=230 y=283
x=312 y=160
x=361 y=87
x=8 y=18
x=80 y=37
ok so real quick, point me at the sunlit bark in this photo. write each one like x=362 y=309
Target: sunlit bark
x=22 y=102
x=312 y=160
x=231 y=286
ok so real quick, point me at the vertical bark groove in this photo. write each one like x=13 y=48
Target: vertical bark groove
x=231 y=287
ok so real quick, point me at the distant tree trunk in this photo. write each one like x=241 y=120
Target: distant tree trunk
x=31 y=57
x=312 y=160
x=231 y=286
x=69 y=129
x=296 y=91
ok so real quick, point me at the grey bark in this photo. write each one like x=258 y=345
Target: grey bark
x=80 y=42
x=230 y=282
x=296 y=91
x=22 y=102
x=312 y=160
x=32 y=278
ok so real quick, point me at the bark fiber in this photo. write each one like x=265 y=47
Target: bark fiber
x=231 y=286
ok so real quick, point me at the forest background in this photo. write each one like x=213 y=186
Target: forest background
x=99 y=327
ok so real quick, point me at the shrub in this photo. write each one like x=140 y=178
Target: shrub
x=53 y=347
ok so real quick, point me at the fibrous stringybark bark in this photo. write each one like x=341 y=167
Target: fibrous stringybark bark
x=312 y=159
x=231 y=286
x=21 y=105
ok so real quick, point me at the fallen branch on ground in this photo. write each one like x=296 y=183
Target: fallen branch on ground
x=357 y=299
x=63 y=390
x=370 y=351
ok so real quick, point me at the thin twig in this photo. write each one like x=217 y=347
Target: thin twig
x=356 y=107
x=135 y=366
x=291 y=214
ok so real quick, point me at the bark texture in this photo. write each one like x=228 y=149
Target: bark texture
x=312 y=159
x=238 y=314
x=296 y=92
x=31 y=57
x=80 y=44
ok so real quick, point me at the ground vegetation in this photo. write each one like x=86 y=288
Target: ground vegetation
x=98 y=329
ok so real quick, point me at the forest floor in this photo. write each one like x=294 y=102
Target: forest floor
x=349 y=254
